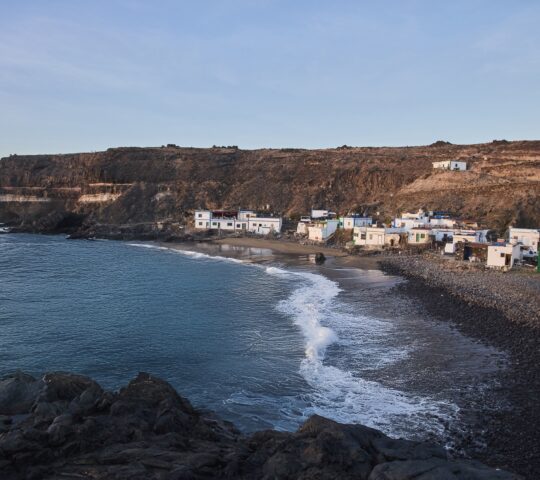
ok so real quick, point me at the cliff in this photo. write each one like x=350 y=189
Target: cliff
x=66 y=426
x=128 y=186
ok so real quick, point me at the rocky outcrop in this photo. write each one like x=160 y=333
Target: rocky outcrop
x=66 y=426
x=146 y=186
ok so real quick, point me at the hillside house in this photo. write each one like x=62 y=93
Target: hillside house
x=237 y=221
x=354 y=220
x=322 y=230
x=453 y=165
x=377 y=237
x=409 y=220
x=419 y=236
x=528 y=238
x=502 y=255
x=317 y=214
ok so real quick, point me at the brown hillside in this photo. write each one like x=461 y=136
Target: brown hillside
x=130 y=185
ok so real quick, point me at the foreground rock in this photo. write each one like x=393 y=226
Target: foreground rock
x=66 y=426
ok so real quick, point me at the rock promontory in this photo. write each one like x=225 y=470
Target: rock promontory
x=64 y=425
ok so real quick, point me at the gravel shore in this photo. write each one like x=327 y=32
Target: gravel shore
x=503 y=310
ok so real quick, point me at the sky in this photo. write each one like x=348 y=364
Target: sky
x=79 y=75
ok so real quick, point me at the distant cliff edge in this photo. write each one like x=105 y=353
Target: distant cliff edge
x=130 y=186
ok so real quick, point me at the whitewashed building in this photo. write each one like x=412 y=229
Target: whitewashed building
x=377 y=237
x=419 y=236
x=239 y=221
x=354 y=220
x=528 y=238
x=450 y=165
x=321 y=231
x=502 y=255
x=319 y=213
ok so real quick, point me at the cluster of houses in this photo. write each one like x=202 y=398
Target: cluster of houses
x=461 y=238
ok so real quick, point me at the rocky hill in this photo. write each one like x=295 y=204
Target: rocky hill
x=127 y=186
x=66 y=426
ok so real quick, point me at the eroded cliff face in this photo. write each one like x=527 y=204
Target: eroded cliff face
x=145 y=185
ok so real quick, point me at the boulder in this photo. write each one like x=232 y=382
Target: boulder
x=17 y=393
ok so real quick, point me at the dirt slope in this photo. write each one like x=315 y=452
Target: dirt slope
x=131 y=185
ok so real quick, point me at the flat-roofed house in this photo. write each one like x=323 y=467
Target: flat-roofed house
x=528 y=238
x=502 y=255
x=322 y=230
x=419 y=236
x=376 y=237
x=355 y=220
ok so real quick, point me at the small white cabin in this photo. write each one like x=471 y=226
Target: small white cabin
x=376 y=237
x=322 y=231
x=502 y=255
x=454 y=165
x=351 y=221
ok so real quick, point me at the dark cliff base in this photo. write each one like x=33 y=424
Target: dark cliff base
x=66 y=426
x=512 y=434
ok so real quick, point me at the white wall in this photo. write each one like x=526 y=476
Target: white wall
x=496 y=255
x=528 y=237
x=351 y=222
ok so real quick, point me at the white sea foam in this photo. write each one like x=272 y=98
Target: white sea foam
x=189 y=253
x=338 y=393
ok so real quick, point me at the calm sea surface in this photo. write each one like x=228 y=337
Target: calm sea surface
x=264 y=346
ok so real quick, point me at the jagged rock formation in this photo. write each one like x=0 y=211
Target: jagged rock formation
x=65 y=426
x=127 y=186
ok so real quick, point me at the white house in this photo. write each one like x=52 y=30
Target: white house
x=419 y=236
x=355 y=220
x=466 y=236
x=527 y=237
x=502 y=255
x=450 y=165
x=411 y=220
x=240 y=221
x=320 y=231
x=317 y=214
x=376 y=237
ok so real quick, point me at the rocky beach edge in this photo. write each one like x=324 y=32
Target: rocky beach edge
x=500 y=309
x=64 y=425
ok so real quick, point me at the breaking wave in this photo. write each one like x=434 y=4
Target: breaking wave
x=337 y=390
x=338 y=393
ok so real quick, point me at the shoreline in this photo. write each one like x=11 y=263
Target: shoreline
x=511 y=434
x=513 y=437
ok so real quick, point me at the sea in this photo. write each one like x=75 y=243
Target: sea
x=263 y=344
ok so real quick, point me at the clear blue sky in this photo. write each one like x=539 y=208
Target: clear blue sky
x=80 y=75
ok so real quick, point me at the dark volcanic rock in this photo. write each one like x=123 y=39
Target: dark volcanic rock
x=148 y=431
x=17 y=393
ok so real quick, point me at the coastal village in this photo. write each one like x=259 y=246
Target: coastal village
x=459 y=238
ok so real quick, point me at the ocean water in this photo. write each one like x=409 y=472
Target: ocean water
x=265 y=346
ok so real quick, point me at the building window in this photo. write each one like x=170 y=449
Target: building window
x=238 y=226
x=200 y=215
x=362 y=236
x=502 y=255
x=200 y=224
x=229 y=224
x=214 y=224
